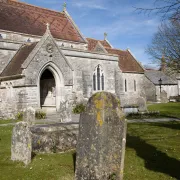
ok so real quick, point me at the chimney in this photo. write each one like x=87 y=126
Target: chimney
x=163 y=64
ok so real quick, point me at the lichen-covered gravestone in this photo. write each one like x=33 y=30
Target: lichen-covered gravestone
x=29 y=115
x=21 y=145
x=101 y=141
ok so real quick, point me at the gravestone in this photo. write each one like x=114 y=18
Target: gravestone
x=101 y=142
x=163 y=97
x=143 y=94
x=65 y=111
x=29 y=115
x=141 y=102
x=21 y=145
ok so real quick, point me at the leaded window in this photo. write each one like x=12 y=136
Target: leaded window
x=125 y=83
x=98 y=79
x=134 y=85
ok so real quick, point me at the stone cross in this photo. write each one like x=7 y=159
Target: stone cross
x=21 y=145
x=64 y=6
x=47 y=26
x=29 y=115
x=101 y=142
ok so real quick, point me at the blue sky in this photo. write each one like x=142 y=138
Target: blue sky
x=125 y=27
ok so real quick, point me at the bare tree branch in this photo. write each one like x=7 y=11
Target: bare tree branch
x=166 y=42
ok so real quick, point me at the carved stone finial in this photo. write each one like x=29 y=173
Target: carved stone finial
x=105 y=36
x=47 y=25
x=64 y=6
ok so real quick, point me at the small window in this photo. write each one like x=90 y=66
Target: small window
x=1 y=36
x=94 y=82
x=125 y=83
x=98 y=79
x=134 y=85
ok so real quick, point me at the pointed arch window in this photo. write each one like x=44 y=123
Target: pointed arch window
x=98 y=79
x=134 y=85
x=125 y=84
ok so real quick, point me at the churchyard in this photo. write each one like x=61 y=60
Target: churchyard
x=152 y=152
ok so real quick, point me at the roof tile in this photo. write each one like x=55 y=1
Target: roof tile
x=28 y=19
x=14 y=67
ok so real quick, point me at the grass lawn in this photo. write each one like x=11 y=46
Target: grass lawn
x=152 y=153
x=166 y=109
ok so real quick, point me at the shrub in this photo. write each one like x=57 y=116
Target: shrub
x=142 y=115
x=19 y=116
x=40 y=115
x=79 y=108
x=177 y=98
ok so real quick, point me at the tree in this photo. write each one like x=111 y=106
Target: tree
x=166 y=43
x=166 y=9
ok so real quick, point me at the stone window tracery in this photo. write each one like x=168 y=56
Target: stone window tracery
x=98 y=79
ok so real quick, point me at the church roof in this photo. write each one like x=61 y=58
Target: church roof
x=93 y=42
x=127 y=62
x=14 y=67
x=28 y=19
x=154 y=76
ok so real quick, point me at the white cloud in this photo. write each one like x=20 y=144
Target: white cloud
x=89 y=4
x=128 y=27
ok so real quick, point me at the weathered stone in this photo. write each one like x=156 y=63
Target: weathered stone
x=54 y=138
x=101 y=141
x=141 y=104
x=29 y=115
x=21 y=147
x=65 y=111
x=163 y=97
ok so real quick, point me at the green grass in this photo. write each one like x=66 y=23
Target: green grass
x=8 y=121
x=166 y=109
x=152 y=153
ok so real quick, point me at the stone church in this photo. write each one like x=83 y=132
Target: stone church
x=45 y=59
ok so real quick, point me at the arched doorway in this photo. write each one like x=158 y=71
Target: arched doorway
x=47 y=89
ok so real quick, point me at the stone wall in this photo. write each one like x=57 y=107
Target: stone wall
x=83 y=75
x=14 y=98
x=18 y=37
x=54 y=138
x=171 y=90
x=134 y=84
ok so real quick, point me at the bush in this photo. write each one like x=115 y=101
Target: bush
x=19 y=116
x=79 y=108
x=40 y=115
x=142 y=115
x=177 y=98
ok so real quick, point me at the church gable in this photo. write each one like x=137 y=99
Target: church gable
x=45 y=52
x=99 y=48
